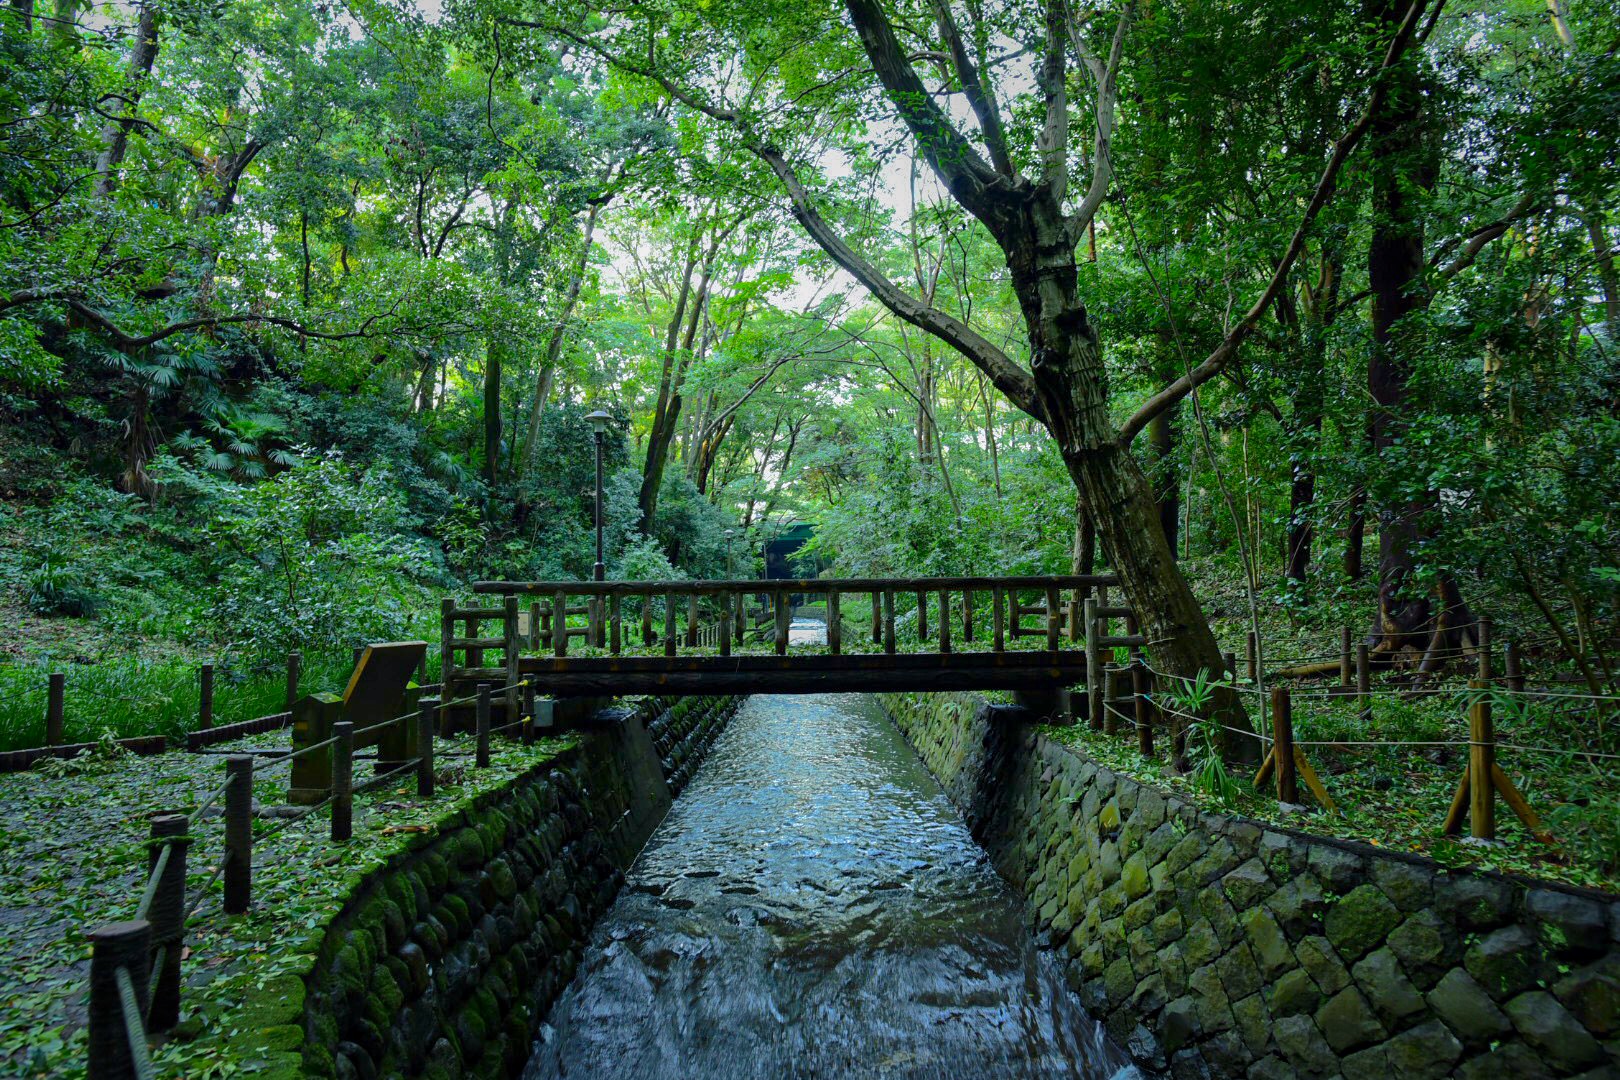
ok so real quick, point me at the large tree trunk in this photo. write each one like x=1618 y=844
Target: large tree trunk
x=115 y=133
x=1404 y=166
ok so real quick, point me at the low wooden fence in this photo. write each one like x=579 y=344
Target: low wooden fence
x=135 y=966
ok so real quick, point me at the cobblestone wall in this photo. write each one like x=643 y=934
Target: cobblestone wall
x=1213 y=946
x=445 y=963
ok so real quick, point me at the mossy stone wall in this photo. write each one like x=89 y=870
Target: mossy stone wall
x=445 y=962
x=1215 y=946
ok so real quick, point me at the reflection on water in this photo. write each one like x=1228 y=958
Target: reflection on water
x=813 y=906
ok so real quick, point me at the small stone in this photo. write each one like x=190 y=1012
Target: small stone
x=1247 y=885
x=1304 y=1046
x=1458 y=1000
x=1570 y=924
x=1268 y=941
x=1347 y=1021
x=1360 y=921
x=1317 y=957
x=1408 y=887
x=1295 y=992
x=1425 y=1052
x=1339 y=870
x=1502 y=962
x=1383 y=982
x=1549 y=1027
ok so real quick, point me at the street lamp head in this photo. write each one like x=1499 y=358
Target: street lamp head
x=600 y=419
x=730 y=533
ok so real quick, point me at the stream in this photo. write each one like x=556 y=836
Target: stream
x=813 y=906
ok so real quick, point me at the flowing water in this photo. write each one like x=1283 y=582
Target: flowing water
x=814 y=907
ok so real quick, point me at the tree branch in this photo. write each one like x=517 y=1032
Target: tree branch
x=982 y=104
x=1227 y=349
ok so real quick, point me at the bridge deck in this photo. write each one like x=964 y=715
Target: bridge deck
x=805 y=673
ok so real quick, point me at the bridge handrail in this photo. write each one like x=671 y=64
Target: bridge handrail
x=798 y=585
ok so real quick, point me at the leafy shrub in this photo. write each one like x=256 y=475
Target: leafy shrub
x=59 y=587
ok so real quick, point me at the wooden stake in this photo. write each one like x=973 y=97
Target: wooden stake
x=1144 y=725
x=1282 y=747
x=1481 y=760
x=1345 y=665
x=55 y=709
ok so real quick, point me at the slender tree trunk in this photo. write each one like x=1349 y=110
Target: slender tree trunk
x=1166 y=486
x=492 y=411
x=115 y=133
x=559 y=332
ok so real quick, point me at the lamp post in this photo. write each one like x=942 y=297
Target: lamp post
x=599 y=419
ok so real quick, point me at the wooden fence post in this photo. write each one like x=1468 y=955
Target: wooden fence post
x=1483 y=639
x=692 y=621
x=723 y=638
x=1481 y=762
x=1254 y=659
x=425 y=724
x=167 y=914
x=205 y=697
x=559 y=623
x=534 y=625
x=55 y=709
x=1364 y=681
x=295 y=663
x=114 y=1049
x=967 y=615
x=238 y=834
x=481 y=751
x=1113 y=677
x=343 y=781
x=1282 y=736
x=998 y=619
x=1514 y=668
x=922 y=616
x=1345 y=664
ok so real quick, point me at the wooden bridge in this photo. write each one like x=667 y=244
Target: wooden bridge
x=572 y=639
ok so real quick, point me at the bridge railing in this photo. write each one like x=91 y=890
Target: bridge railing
x=715 y=614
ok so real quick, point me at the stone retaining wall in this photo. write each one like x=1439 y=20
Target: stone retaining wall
x=1214 y=946
x=444 y=964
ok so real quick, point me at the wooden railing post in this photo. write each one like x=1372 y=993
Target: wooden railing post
x=739 y=623
x=723 y=638
x=481 y=751
x=295 y=663
x=783 y=612
x=670 y=642
x=343 y=781
x=113 y=1047
x=648 y=637
x=534 y=625
x=922 y=616
x=238 y=834
x=425 y=730
x=967 y=616
x=888 y=621
x=944 y=620
x=1282 y=734
x=877 y=617
x=512 y=650
x=55 y=708
x=1144 y=716
x=1094 y=675
x=559 y=625
x=692 y=621
x=998 y=619
x=1054 y=617
x=835 y=623
x=615 y=625
x=205 y=697
x=167 y=914
x=1113 y=696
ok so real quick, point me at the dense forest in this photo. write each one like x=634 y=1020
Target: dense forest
x=1296 y=314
